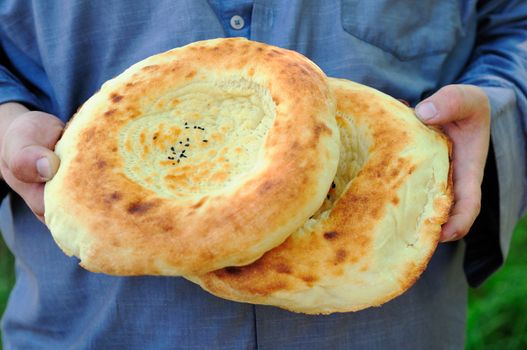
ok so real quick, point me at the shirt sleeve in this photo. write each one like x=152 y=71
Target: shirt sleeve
x=499 y=66
x=12 y=89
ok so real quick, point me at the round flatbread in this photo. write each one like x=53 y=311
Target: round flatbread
x=378 y=227
x=195 y=159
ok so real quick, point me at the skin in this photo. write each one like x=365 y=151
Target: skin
x=27 y=138
x=463 y=112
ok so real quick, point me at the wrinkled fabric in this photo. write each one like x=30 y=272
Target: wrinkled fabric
x=54 y=55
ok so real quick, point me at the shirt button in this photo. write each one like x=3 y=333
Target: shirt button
x=237 y=22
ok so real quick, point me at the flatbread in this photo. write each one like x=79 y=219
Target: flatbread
x=378 y=227
x=198 y=158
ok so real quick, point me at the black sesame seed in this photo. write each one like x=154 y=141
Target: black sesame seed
x=180 y=142
x=178 y=160
x=172 y=149
x=205 y=140
x=188 y=139
x=186 y=127
x=333 y=185
x=171 y=158
x=186 y=145
x=174 y=163
x=183 y=151
x=327 y=196
x=183 y=156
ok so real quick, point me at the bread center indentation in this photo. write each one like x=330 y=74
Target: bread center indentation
x=355 y=142
x=200 y=139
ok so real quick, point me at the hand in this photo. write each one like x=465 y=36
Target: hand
x=26 y=157
x=463 y=113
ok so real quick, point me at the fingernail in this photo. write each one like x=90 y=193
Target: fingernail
x=426 y=111
x=44 y=168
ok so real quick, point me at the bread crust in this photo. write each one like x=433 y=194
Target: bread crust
x=379 y=227
x=128 y=200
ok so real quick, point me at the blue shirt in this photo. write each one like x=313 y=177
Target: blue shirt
x=54 y=55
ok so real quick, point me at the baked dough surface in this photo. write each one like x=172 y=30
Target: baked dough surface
x=198 y=158
x=376 y=231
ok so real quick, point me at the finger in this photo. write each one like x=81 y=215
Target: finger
x=466 y=208
x=27 y=150
x=469 y=155
x=32 y=193
x=33 y=164
x=453 y=103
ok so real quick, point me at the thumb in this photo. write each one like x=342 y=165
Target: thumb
x=28 y=143
x=34 y=163
x=452 y=103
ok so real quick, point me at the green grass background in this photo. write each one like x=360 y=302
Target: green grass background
x=497 y=316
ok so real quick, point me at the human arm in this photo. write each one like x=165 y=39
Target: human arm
x=498 y=66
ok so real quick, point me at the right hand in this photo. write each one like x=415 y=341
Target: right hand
x=27 y=159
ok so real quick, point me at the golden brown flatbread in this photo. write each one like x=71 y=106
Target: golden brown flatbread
x=378 y=227
x=202 y=157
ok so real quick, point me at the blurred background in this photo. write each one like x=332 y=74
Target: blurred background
x=497 y=315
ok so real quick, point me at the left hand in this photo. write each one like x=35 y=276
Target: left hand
x=463 y=113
